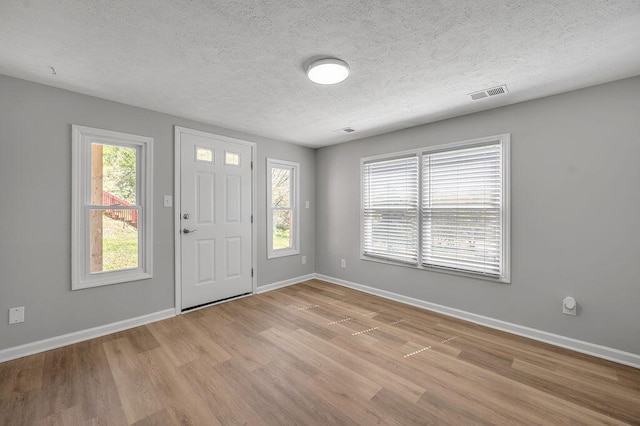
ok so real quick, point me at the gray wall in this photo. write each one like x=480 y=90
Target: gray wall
x=575 y=212
x=575 y=209
x=35 y=211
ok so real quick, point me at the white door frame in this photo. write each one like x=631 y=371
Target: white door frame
x=178 y=208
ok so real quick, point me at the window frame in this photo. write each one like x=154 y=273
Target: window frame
x=294 y=198
x=505 y=142
x=82 y=139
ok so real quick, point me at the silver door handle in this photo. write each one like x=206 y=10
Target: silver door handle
x=189 y=231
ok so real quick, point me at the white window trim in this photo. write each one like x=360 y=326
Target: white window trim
x=82 y=137
x=295 y=207
x=505 y=140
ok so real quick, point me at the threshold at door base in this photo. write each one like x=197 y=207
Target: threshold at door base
x=215 y=302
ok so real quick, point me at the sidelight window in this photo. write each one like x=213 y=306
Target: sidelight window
x=283 y=208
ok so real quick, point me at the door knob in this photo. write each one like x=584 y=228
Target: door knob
x=185 y=216
x=189 y=231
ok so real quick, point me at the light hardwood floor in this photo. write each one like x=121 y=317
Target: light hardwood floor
x=315 y=353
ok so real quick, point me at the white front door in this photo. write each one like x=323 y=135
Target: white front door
x=215 y=217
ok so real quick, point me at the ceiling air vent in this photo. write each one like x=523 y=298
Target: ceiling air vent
x=499 y=90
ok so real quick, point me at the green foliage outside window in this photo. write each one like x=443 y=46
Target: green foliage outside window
x=119 y=171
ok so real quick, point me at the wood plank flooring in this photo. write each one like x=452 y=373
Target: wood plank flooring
x=315 y=354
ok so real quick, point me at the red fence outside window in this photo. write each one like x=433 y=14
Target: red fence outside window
x=129 y=216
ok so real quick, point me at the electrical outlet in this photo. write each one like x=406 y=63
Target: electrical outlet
x=304 y=260
x=343 y=263
x=306 y=204
x=569 y=306
x=16 y=315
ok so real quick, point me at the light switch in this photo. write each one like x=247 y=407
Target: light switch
x=168 y=201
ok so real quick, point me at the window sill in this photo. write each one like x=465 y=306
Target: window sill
x=282 y=253
x=500 y=280
x=100 y=280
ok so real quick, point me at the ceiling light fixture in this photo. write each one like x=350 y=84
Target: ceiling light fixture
x=328 y=71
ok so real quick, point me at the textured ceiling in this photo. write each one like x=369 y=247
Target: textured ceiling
x=240 y=64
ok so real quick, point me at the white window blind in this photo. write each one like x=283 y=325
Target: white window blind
x=390 y=209
x=462 y=213
x=442 y=208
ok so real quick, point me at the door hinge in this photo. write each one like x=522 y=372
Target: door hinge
x=252 y=272
x=252 y=165
x=251 y=218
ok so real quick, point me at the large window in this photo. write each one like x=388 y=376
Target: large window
x=111 y=240
x=444 y=208
x=282 y=208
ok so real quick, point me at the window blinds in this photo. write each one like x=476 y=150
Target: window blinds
x=462 y=218
x=390 y=209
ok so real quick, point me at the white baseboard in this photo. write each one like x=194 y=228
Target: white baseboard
x=611 y=354
x=285 y=283
x=79 y=336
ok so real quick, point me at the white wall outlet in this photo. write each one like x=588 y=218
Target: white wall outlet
x=304 y=260
x=168 y=201
x=569 y=306
x=16 y=315
x=306 y=204
x=343 y=263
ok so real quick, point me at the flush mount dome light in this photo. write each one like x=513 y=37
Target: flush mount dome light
x=328 y=71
